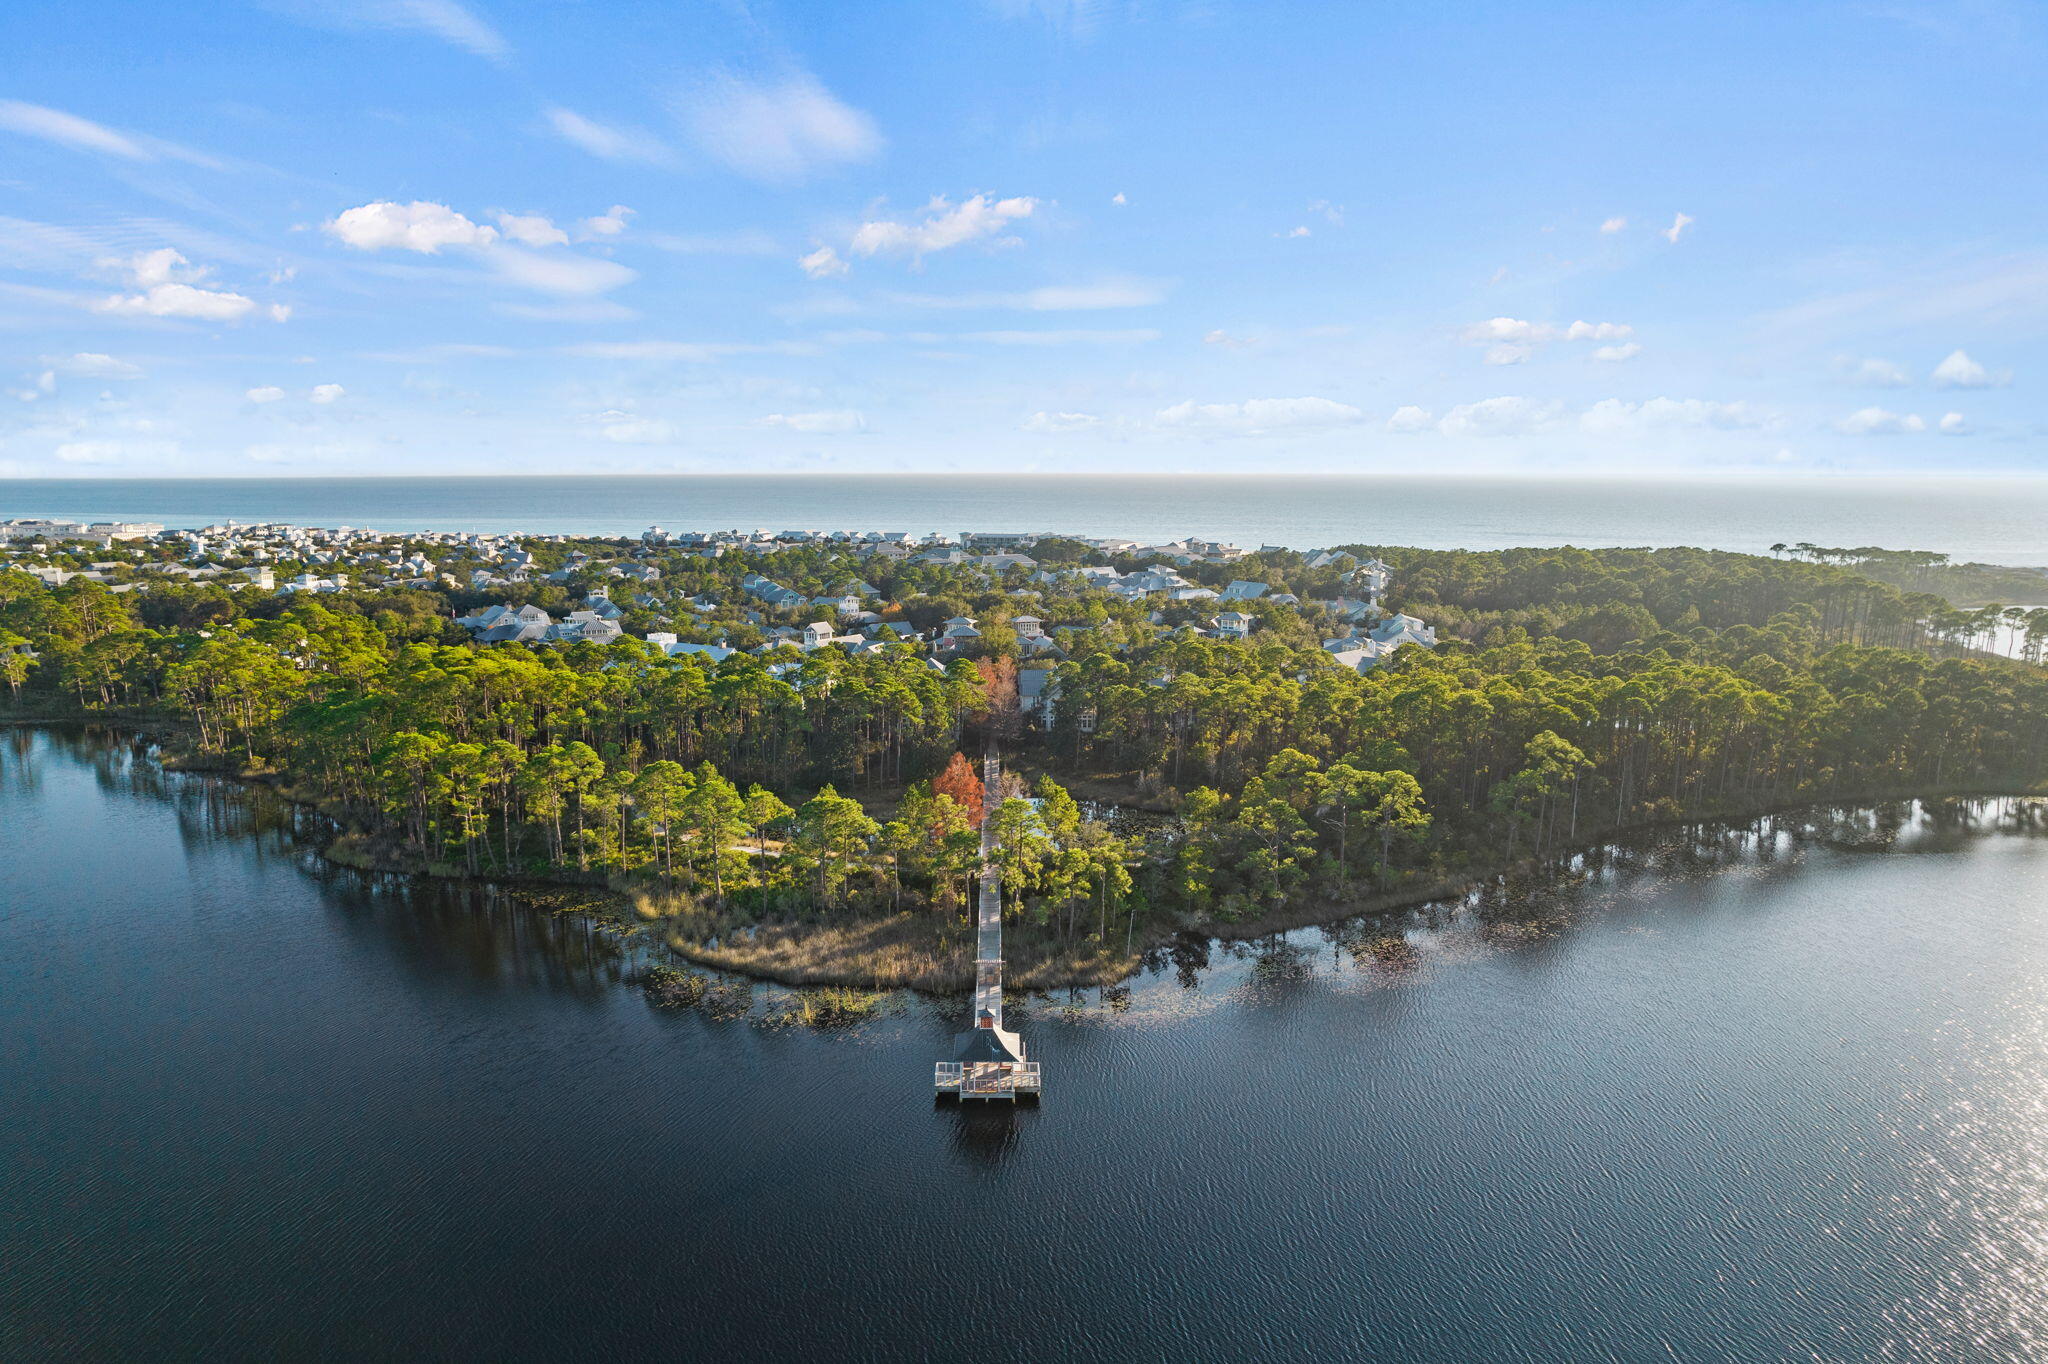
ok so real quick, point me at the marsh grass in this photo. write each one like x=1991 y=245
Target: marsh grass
x=832 y=1006
x=671 y=988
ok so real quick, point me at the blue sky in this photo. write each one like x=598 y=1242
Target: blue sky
x=320 y=237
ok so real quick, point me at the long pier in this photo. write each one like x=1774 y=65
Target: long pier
x=988 y=1061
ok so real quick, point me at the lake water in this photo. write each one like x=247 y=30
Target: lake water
x=1728 y=1102
x=1988 y=520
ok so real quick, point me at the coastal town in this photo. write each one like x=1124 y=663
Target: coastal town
x=779 y=594
x=766 y=740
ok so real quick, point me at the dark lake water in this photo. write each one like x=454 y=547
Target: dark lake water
x=1769 y=1099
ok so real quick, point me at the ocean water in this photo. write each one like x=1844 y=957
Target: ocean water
x=1748 y=1099
x=1987 y=520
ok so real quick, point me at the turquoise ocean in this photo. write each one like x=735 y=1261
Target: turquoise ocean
x=1994 y=521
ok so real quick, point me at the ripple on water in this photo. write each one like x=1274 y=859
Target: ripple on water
x=1727 y=1097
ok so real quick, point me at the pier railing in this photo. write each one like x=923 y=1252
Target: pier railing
x=986 y=1080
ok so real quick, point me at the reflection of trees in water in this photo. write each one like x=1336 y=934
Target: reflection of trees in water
x=1930 y=826
x=475 y=933
x=19 y=772
x=1279 y=960
x=1530 y=908
x=985 y=1135
x=478 y=933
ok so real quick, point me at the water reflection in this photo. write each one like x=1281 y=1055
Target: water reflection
x=984 y=1137
x=1762 y=1092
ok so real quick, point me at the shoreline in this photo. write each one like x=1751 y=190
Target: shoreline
x=1104 y=970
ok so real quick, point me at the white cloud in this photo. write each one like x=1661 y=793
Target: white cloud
x=419 y=226
x=626 y=430
x=1876 y=421
x=1518 y=416
x=428 y=227
x=1506 y=330
x=1519 y=330
x=1047 y=423
x=90 y=451
x=602 y=140
x=326 y=393
x=280 y=312
x=1260 y=416
x=610 y=223
x=818 y=423
x=1507 y=416
x=1613 y=225
x=1875 y=373
x=1512 y=340
x=1118 y=199
x=1332 y=214
x=1679 y=223
x=1955 y=424
x=69 y=130
x=780 y=133
x=944 y=225
x=1960 y=371
x=266 y=394
x=169 y=288
x=1071 y=336
x=822 y=263
x=1292 y=233
x=443 y=19
x=93 y=365
x=1052 y=298
x=1059 y=298
x=1614 y=416
x=162 y=266
x=1614 y=355
x=576 y=276
x=532 y=230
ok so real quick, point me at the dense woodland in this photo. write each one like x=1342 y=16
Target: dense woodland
x=1575 y=693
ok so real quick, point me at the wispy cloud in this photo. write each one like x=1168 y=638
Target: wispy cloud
x=1054 y=423
x=779 y=132
x=823 y=263
x=93 y=365
x=1871 y=372
x=447 y=20
x=1877 y=421
x=838 y=423
x=606 y=141
x=1075 y=336
x=1259 y=416
x=426 y=228
x=1511 y=340
x=1052 y=298
x=944 y=225
x=1984 y=290
x=82 y=134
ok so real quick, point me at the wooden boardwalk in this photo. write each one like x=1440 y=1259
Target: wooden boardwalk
x=988 y=1061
